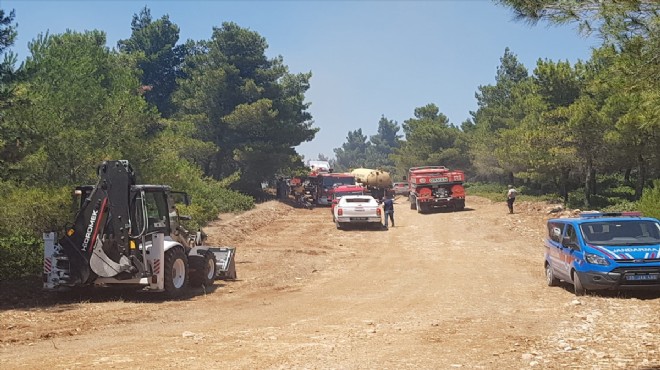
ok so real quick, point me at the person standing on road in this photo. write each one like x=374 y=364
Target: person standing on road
x=511 y=197
x=388 y=209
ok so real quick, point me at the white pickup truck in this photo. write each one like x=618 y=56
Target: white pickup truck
x=357 y=210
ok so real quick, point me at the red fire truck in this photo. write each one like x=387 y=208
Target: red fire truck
x=434 y=187
x=326 y=184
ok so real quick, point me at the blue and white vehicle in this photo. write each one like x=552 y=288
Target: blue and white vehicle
x=600 y=251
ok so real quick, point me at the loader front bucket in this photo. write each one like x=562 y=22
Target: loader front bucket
x=225 y=264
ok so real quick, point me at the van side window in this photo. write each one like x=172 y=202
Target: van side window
x=571 y=234
x=555 y=231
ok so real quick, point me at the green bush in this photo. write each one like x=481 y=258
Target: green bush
x=32 y=211
x=26 y=215
x=649 y=204
x=622 y=206
x=493 y=191
x=21 y=255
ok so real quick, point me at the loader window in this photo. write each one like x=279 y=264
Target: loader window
x=156 y=213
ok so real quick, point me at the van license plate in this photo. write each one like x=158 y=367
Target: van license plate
x=358 y=218
x=642 y=277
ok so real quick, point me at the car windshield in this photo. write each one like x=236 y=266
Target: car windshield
x=330 y=181
x=634 y=232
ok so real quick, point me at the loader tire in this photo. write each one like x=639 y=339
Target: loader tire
x=176 y=272
x=203 y=270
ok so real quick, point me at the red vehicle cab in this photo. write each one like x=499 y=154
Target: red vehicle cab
x=326 y=184
x=340 y=191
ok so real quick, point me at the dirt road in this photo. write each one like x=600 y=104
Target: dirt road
x=438 y=291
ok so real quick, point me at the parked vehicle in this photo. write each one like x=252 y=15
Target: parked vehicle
x=326 y=184
x=342 y=190
x=603 y=251
x=401 y=188
x=434 y=187
x=319 y=167
x=377 y=182
x=126 y=234
x=357 y=210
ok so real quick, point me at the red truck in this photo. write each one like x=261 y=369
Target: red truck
x=326 y=184
x=434 y=187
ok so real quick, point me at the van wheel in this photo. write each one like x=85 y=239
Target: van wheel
x=579 y=288
x=550 y=276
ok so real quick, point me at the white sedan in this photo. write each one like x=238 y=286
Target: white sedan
x=357 y=209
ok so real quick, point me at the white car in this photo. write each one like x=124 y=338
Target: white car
x=357 y=210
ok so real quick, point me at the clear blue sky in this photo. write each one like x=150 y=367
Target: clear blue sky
x=368 y=58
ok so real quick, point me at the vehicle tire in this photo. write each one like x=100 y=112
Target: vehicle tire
x=338 y=225
x=577 y=284
x=460 y=205
x=203 y=270
x=176 y=272
x=419 y=207
x=413 y=203
x=550 y=278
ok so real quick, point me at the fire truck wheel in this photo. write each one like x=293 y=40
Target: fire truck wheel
x=413 y=203
x=203 y=270
x=176 y=272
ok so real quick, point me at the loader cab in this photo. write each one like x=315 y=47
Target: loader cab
x=152 y=210
x=155 y=204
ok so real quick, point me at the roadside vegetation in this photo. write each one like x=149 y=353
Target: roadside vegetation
x=216 y=118
x=584 y=134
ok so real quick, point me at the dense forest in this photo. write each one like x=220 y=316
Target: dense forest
x=216 y=118
x=587 y=132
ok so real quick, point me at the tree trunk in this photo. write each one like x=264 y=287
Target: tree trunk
x=626 y=176
x=641 y=177
x=594 y=191
x=510 y=178
x=588 y=182
x=564 y=184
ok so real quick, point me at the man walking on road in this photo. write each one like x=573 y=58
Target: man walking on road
x=511 y=197
x=388 y=209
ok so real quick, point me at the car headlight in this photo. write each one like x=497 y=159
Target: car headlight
x=596 y=259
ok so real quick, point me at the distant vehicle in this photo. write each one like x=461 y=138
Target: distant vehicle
x=377 y=182
x=319 y=167
x=401 y=188
x=434 y=187
x=603 y=251
x=326 y=184
x=342 y=190
x=357 y=210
